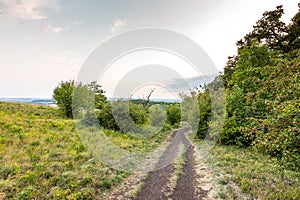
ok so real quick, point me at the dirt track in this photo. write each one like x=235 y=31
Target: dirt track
x=158 y=184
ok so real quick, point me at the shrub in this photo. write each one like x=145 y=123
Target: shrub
x=157 y=115
x=73 y=97
x=122 y=115
x=174 y=115
x=63 y=96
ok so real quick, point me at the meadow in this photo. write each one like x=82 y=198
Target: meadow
x=42 y=157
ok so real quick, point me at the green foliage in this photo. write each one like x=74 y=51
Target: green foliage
x=174 y=114
x=73 y=97
x=270 y=30
x=262 y=106
x=246 y=80
x=138 y=114
x=122 y=115
x=190 y=109
x=262 y=91
x=292 y=38
x=63 y=96
x=157 y=115
x=205 y=113
x=204 y=109
x=106 y=118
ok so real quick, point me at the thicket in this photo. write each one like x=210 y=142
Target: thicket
x=262 y=91
x=88 y=103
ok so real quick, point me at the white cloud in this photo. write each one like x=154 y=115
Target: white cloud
x=54 y=29
x=57 y=29
x=27 y=9
x=50 y=28
x=118 y=25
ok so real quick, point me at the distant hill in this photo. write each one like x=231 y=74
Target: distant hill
x=38 y=101
x=50 y=102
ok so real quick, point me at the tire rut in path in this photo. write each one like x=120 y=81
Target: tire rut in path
x=186 y=187
x=156 y=182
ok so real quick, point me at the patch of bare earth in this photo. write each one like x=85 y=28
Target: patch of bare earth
x=187 y=185
x=156 y=185
x=205 y=179
x=134 y=184
x=193 y=181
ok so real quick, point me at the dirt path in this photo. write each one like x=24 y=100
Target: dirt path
x=185 y=181
x=187 y=187
x=156 y=185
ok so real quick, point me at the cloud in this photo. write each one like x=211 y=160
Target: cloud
x=185 y=84
x=115 y=28
x=50 y=28
x=118 y=25
x=27 y=9
x=54 y=29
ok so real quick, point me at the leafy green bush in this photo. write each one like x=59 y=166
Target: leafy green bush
x=138 y=114
x=63 y=96
x=205 y=113
x=157 y=115
x=122 y=115
x=262 y=91
x=174 y=115
x=73 y=97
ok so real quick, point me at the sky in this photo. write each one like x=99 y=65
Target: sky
x=44 y=42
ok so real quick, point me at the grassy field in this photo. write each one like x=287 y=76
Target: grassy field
x=42 y=157
x=255 y=175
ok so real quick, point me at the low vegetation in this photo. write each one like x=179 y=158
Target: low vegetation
x=41 y=156
x=257 y=176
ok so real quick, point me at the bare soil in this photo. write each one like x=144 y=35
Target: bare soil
x=186 y=187
x=194 y=182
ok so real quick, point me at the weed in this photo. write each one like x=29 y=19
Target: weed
x=222 y=181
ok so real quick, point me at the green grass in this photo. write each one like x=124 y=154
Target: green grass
x=258 y=176
x=42 y=157
x=138 y=144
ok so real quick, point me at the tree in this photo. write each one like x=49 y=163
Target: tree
x=292 y=39
x=269 y=30
x=138 y=114
x=157 y=115
x=262 y=90
x=228 y=70
x=122 y=115
x=98 y=93
x=174 y=114
x=73 y=97
x=106 y=118
x=205 y=113
x=63 y=96
x=147 y=100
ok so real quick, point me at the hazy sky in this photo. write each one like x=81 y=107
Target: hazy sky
x=45 y=41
